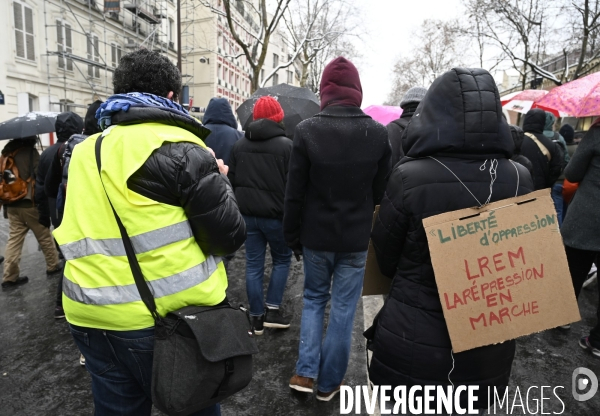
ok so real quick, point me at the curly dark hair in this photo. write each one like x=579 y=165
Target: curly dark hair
x=147 y=71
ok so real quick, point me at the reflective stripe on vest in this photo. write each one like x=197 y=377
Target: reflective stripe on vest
x=142 y=243
x=113 y=295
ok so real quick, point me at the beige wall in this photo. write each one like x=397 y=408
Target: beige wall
x=213 y=41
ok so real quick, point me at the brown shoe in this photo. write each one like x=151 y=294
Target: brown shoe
x=326 y=396
x=303 y=384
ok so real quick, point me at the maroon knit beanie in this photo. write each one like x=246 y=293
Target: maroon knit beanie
x=268 y=107
x=340 y=84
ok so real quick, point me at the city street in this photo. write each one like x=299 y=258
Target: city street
x=40 y=372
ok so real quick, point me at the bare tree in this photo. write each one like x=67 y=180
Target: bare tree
x=341 y=47
x=437 y=49
x=519 y=28
x=324 y=25
x=252 y=27
x=585 y=24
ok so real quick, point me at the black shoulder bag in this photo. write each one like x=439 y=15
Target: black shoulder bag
x=202 y=354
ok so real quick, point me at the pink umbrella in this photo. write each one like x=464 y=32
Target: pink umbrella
x=521 y=101
x=384 y=114
x=579 y=98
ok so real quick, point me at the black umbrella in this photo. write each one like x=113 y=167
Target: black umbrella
x=298 y=104
x=31 y=124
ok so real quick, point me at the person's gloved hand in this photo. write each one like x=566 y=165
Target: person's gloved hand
x=296 y=249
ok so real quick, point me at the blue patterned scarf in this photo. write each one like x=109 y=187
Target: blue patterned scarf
x=122 y=102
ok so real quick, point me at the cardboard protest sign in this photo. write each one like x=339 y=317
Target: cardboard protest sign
x=501 y=271
x=374 y=282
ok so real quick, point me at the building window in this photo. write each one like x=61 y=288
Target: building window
x=115 y=54
x=219 y=72
x=93 y=54
x=64 y=44
x=237 y=81
x=225 y=74
x=171 y=29
x=26 y=103
x=24 y=31
x=275 y=79
x=290 y=79
x=275 y=60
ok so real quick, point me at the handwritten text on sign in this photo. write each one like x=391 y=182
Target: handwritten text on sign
x=501 y=271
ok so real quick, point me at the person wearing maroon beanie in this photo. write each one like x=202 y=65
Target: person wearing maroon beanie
x=258 y=167
x=338 y=166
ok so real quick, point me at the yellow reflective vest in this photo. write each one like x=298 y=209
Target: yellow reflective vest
x=98 y=287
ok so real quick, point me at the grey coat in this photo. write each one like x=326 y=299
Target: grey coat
x=581 y=227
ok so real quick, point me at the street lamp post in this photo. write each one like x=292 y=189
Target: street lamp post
x=179 y=43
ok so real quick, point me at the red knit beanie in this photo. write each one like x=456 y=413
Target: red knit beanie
x=268 y=107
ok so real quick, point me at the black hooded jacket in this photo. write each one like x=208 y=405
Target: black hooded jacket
x=518 y=135
x=219 y=119
x=66 y=125
x=258 y=169
x=459 y=123
x=58 y=170
x=545 y=173
x=395 y=130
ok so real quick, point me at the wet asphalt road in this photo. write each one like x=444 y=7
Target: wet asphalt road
x=40 y=373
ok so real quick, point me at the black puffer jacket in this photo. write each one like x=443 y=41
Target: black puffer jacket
x=258 y=169
x=545 y=172
x=186 y=175
x=395 y=130
x=460 y=123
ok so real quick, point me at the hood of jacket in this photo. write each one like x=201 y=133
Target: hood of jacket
x=90 y=125
x=549 y=125
x=219 y=112
x=460 y=114
x=340 y=84
x=535 y=121
x=67 y=124
x=264 y=129
x=138 y=115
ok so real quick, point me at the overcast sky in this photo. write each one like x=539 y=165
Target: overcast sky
x=388 y=25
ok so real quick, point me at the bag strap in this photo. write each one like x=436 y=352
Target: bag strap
x=543 y=148
x=136 y=270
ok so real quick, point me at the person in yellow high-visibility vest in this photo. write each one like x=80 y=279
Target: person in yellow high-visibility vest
x=177 y=206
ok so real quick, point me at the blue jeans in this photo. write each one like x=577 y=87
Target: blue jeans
x=260 y=232
x=120 y=364
x=559 y=202
x=342 y=273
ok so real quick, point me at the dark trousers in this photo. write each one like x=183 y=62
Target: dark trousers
x=120 y=363
x=580 y=262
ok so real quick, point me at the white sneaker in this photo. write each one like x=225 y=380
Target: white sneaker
x=81 y=360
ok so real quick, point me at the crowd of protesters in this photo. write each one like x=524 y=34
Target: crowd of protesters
x=193 y=193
